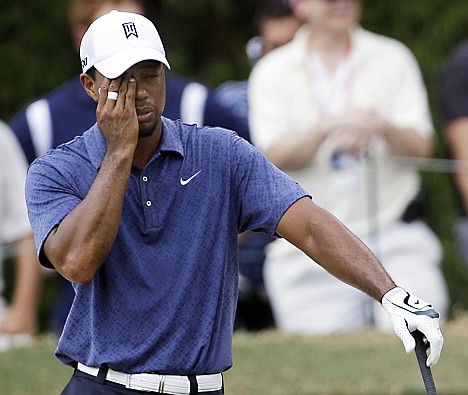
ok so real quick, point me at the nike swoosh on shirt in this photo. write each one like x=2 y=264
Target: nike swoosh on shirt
x=185 y=182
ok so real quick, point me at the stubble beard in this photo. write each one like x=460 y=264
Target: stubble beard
x=146 y=130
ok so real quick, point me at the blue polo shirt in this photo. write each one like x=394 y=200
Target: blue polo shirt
x=165 y=298
x=68 y=111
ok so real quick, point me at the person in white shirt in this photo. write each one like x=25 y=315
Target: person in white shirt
x=335 y=109
x=19 y=318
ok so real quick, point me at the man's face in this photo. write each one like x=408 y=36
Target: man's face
x=330 y=15
x=125 y=6
x=150 y=97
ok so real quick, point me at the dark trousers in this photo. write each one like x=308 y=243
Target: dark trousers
x=85 y=384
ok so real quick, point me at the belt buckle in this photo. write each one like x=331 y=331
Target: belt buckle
x=128 y=383
x=150 y=387
x=162 y=380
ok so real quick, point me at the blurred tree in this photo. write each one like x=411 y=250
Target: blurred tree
x=35 y=49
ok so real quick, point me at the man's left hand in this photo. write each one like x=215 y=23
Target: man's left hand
x=409 y=313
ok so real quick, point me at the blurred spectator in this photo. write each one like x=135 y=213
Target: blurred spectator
x=275 y=25
x=19 y=320
x=333 y=109
x=67 y=112
x=454 y=104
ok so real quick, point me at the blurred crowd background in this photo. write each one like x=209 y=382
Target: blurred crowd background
x=206 y=40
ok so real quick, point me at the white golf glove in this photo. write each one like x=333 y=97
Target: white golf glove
x=408 y=313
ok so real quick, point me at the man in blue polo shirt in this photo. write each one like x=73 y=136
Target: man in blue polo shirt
x=68 y=111
x=142 y=213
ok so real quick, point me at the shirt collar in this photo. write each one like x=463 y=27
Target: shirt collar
x=96 y=145
x=301 y=38
x=171 y=138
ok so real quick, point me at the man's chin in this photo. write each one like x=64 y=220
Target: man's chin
x=146 y=130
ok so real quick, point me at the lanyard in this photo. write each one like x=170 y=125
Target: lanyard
x=332 y=91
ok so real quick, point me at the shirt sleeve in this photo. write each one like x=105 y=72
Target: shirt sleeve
x=20 y=127
x=50 y=196
x=14 y=220
x=407 y=104
x=454 y=85
x=264 y=193
x=268 y=100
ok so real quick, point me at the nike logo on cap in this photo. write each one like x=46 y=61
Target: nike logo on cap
x=185 y=182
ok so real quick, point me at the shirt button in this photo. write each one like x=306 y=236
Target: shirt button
x=148 y=203
x=145 y=178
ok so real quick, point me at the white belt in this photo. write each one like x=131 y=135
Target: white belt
x=150 y=382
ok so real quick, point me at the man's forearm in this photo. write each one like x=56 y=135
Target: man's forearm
x=327 y=241
x=347 y=258
x=407 y=142
x=82 y=241
x=23 y=315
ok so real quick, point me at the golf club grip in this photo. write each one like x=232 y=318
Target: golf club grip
x=421 y=355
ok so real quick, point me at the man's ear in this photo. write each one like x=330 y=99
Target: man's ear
x=89 y=85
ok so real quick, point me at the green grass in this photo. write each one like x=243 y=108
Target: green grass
x=273 y=363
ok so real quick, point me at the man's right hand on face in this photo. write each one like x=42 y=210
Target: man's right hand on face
x=116 y=116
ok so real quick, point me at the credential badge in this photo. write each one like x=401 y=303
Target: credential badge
x=130 y=29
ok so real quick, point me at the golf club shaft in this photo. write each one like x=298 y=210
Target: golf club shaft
x=421 y=355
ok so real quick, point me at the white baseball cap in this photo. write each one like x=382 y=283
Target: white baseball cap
x=116 y=41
